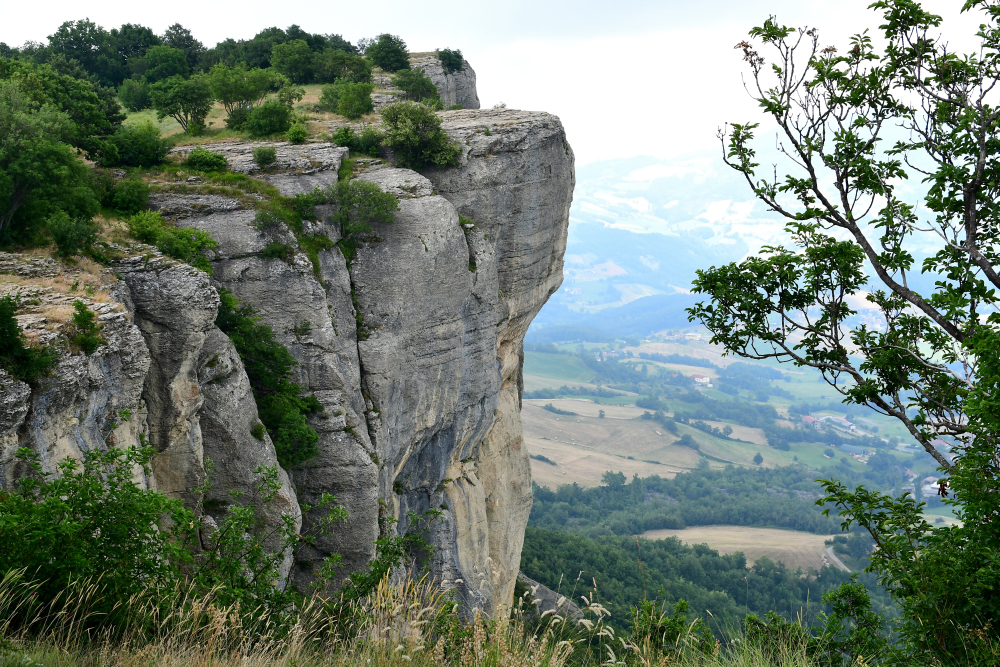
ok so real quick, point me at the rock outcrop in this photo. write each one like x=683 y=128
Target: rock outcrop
x=453 y=87
x=413 y=349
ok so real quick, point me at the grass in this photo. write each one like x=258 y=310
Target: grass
x=560 y=366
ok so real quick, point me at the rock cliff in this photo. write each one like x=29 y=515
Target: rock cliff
x=453 y=87
x=413 y=349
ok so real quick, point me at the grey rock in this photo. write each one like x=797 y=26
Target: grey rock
x=453 y=88
x=303 y=159
x=173 y=206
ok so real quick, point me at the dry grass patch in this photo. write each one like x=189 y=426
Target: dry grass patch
x=792 y=547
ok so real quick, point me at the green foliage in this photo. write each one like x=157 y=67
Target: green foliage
x=853 y=220
x=136 y=146
x=414 y=134
x=451 y=60
x=758 y=459
x=277 y=250
x=160 y=62
x=258 y=431
x=72 y=236
x=388 y=52
x=269 y=118
x=294 y=59
x=415 y=84
x=89 y=521
x=264 y=155
x=134 y=95
x=280 y=402
x=40 y=173
x=186 y=245
x=351 y=100
x=187 y=101
x=654 y=630
x=361 y=204
x=203 y=159
x=23 y=362
x=334 y=65
x=84 y=331
x=366 y=143
x=297 y=134
x=241 y=89
x=129 y=196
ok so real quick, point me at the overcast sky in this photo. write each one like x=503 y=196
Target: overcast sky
x=627 y=78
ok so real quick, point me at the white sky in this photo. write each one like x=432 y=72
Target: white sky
x=636 y=77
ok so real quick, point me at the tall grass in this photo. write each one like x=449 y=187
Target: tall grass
x=407 y=622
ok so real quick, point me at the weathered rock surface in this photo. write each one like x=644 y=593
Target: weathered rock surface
x=414 y=351
x=453 y=87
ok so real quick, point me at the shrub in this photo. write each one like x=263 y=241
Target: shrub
x=187 y=101
x=23 y=362
x=361 y=204
x=137 y=146
x=269 y=118
x=203 y=159
x=134 y=95
x=264 y=155
x=84 y=332
x=280 y=402
x=124 y=541
x=278 y=250
x=186 y=245
x=414 y=134
x=388 y=52
x=237 y=118
x=366 y=143
x=130 y=196
x=297 y=133
x=241 y=89
x=72 y=236
x=351 y=100
x=161 y=62
x=415 y=84
x=451 y=60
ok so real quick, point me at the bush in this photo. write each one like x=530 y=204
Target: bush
x=333 y=65
x=161 y=62
x=280 y=402
x=415 y=84
x=414 y=134
x=388 y=52
x=72 y=236
x=241 y=89
x=237 y=118
x=130 y=196
x=137 y=146
x=23 y=362
x=203 y=159
x=451 y=60
x=264 y=155
x=186 y=245
x=351 y=100
x=294 y=59
x=134 y=95
x=366 y=143
x=297 y=133
x=84 y=332
x=269 y=118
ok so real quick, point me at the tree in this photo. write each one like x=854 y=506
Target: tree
x=758 y=459
x=415 y=84
x=414 y=134
x=179 y=37
x=294 y=59
x=160 y=62
x=351 y=100
x=855 y=127
x=40 y=173
x=335 y=65
x=241 y=89
x=188 y=101
x=451 y=60
x=388 y=52
x=133 y=40
x=93 y=47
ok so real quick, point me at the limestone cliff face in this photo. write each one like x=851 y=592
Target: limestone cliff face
x=453 y=87
x=413 y=349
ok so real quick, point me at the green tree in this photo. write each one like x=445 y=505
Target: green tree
x=160 y=62
x=40 y=173
x=241 y=89
x=388 y=52
x=294 y=59
x=93 y=47
x=336 y=65
x=133 y=40
x=134 y=94
x=179 y=37
x=858 y=124
x=137 y=146
x=415 y=84
x=187 y=101
x=24 y=362
x=451 y=60
x=413 y=131
x=351 y=100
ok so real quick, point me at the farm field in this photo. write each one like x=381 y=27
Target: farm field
x=792 y=547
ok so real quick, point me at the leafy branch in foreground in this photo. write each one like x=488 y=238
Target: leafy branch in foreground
x=853 y=128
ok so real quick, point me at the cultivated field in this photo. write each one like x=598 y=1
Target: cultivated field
x=792 y=547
